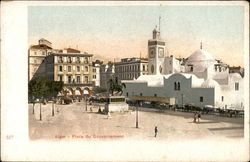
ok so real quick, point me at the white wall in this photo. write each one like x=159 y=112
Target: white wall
x=191 y=95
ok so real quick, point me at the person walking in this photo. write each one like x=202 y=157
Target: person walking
x=199 y=116
x=195 y=116
x=156 y=131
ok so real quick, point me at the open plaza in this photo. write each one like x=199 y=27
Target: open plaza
x=71 y=122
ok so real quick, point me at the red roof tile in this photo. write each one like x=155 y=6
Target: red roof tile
x=41 y=46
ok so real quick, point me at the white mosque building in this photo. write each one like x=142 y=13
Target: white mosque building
x=200 y=80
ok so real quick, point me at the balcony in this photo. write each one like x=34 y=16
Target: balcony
x=60 y=61
x=84 y=83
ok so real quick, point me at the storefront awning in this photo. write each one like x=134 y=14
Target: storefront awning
x=170 y=101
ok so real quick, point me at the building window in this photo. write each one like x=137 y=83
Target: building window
x=177 y=86
x=34 y=53
x=86 y=68
x=78 y=79
x=222 y=98
x=60 y=59
x=94 y=70
x=160 y=69
x=86 y=79
x=94 y=76
x=85 y=60
x=43 y=53
x=60 y=78
x=69 y=68
x=201 y=99
x=191 y=68
x=78 y=68
x=236 y=86
x=60 y=68
x=152 y=69
x=140 y=94
x=35 y=61
x=69 y=79
x=127 y=94
x=78 y=59
x=69 y=60
x=155 y=95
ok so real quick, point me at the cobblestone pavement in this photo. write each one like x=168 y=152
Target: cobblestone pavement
x=72 y=122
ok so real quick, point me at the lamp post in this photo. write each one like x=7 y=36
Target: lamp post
x=33 y=99
x=53 y=110
x=86 y=103
x=182 y=100
x=85 y=92
x=57 y=109
x=137 y=124
x=41 y=108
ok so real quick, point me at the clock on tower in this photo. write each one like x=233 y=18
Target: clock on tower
x=152 y=52
x=161 y=52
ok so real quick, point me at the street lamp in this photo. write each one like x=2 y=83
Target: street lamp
x=86 y=103
x=85 y=92
x=53 y=110
x=136 y=125
x=41 y=108
x=33 y=99
x=182 y=100
x=57 y=109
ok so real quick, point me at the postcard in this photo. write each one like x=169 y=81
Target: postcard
x=125 y=81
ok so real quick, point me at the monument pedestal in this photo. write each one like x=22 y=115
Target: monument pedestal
x=116 y=104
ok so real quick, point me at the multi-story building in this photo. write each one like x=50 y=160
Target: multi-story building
x=96 y=65
x=37 y=54
x=74 y=69
x=107 y=72
x=131 y=68
x=69 y=65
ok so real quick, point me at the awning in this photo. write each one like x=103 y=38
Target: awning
x=190 y=104
x=156 y=99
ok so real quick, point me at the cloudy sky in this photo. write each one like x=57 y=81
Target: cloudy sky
x=123 y=31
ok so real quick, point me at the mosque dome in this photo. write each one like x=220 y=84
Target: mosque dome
x=210 y=83
x=200 y=60
x=200 y=55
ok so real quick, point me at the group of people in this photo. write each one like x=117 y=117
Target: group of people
x=197 y=117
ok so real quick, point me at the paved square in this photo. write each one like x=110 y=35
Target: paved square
x=72 y=122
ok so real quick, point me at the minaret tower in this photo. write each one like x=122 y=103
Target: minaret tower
x=156 y=53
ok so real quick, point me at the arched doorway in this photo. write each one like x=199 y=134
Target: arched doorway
x=86 y=91
x=78 y=91
x=70 y=91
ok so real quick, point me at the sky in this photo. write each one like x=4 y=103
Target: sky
x=123 y=31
